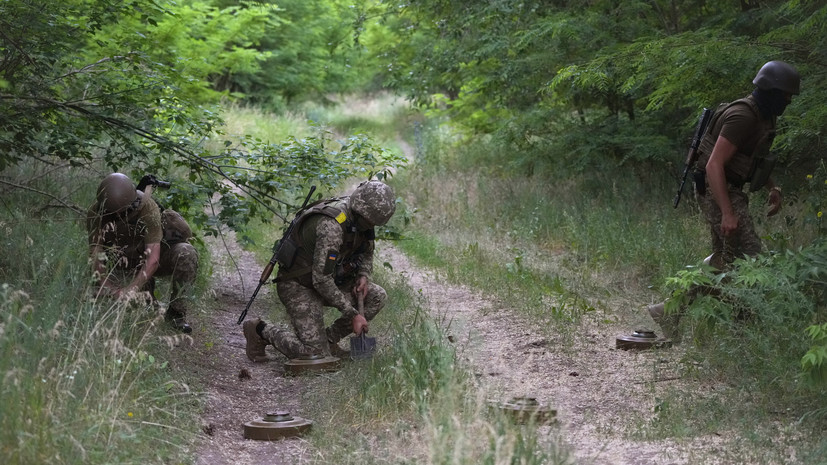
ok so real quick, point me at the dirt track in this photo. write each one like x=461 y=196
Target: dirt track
x=594 y=387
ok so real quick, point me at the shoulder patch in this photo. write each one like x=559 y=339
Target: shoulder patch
x=341 y=218
x=330 y=263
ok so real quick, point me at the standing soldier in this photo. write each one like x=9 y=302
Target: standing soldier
x=326 y=261
x=735 y=152
x=131 y=242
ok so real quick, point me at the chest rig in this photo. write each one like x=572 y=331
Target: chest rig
x=295 y=256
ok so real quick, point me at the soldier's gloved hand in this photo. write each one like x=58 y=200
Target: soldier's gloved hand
x=359 y=324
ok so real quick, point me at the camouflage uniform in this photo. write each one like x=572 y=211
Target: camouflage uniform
x=321 y=263
x=746 y=129
x=327 y=245
x=125 y=238
x=741 y=124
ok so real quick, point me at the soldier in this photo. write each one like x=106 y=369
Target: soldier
x=131 y=242
x=330 y=265
x=732 y=154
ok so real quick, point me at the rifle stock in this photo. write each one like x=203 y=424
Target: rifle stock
x=692 y=155
x=268 y=270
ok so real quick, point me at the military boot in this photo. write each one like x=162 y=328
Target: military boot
x=255 y=343
x=337 y=351
x=177 y=319
x=668 y=323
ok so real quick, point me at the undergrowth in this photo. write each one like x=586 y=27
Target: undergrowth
x=84 y=380
x=414 y=402
x=613 y=232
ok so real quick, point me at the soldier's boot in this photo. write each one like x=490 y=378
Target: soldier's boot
x=668 y=323
x=255 y=343
x=337 y=351
x=177 y=319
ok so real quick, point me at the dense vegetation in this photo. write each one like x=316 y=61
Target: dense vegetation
x=573 y=116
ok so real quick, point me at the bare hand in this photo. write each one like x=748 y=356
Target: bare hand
x=729 y=224
x=359 y=324
x=361 y=287
x=774 y=201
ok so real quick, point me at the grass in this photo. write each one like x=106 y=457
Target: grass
x=570 y=248
x=415 y=403
x=84 y=380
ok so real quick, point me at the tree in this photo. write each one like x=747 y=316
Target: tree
x=129 y=84
x=579 y=84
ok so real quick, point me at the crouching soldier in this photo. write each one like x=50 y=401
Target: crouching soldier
x=131 y=242
x=326 y=261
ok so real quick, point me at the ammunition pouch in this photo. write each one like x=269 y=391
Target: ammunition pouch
x=286 y=251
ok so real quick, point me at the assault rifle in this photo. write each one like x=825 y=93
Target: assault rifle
x=692 y=156
x=265 y=275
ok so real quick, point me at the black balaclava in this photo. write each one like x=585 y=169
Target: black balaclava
x=771 y=102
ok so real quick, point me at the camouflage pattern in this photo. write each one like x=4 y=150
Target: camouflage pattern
x=375 y=201
x=180 y=263
x=305 y=308
x=326 y=241
x=743 y=242
x=125 y=238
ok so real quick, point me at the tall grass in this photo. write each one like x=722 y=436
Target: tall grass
x=561 y=245
x=84 y=380
x=414 y=402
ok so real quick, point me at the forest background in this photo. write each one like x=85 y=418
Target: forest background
x=575 y=116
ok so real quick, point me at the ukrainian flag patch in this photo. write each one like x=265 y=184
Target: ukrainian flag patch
x=341 y=217
x=330 y=263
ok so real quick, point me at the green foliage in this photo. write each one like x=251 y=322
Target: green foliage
x=86 y=77
x=313 y=50
x=563 y=84
x=814 y=362
x=747 y=310
x=128 y=87
x=84 y=381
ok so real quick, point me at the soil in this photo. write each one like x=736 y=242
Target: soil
x=593 y=387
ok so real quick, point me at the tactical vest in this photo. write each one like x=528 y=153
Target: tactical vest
x=753 y=168
x=295 y=255
x=128 y=234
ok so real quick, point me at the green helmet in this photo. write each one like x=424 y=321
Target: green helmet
x=116 y=193
x=373 y=201
x=778 y=75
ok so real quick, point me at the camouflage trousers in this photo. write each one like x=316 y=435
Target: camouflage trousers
x=744 y=242
x=179 y=262
x=305 y=308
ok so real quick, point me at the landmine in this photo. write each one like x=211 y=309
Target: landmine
x=642 y=339
x=526 y=410
x=311 y=364
x=276 y=425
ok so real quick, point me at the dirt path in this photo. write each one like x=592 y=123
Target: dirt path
x=593 y=386
x=237 y=390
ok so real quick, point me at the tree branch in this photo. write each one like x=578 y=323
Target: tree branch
x=72 y=207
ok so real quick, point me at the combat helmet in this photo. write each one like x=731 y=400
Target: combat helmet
x=374 y=201
x=778 y=75
x=116 y=193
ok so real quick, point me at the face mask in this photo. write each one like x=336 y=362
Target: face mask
x=771 y=102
